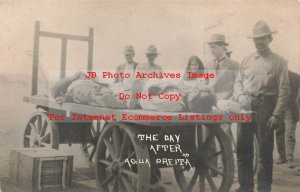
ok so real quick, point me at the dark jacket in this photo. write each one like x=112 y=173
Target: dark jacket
x=223 y=83
x=294 y=79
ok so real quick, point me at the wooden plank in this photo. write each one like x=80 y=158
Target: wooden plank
x=92 y=110
x=64 y=36
x=90 y=49
x=35 y=60
x=63 y=58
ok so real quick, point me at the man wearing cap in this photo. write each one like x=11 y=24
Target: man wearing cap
x=225 y=68
x=262 y=85
x=128 y=67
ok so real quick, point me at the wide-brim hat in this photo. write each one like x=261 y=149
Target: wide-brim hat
x=217 y=38
x=128 y=49
x=261 y=29
x=152 y=50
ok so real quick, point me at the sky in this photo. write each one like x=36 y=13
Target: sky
x=179 y=29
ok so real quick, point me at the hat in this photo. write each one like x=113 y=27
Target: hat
x=217 y=38
x=151 y=50
x=261 y=29
x=128 y=50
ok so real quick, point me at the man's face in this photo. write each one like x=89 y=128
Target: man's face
x=151 y=57
x=194 y=66
x=262 y=43
x=217 y=50
x=129 y=57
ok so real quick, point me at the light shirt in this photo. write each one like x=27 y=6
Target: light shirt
x=264 y=75
x=148 y=68
x=128 y=82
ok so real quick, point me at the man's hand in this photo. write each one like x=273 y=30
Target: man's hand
x=273 y=122
x=243 y=100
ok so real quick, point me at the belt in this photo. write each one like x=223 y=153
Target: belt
x=267 y=97
x=262 y=98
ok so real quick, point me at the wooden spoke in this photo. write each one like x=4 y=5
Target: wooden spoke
x=215 y=169
x=32 y=125
x=88 y=146
x=107 y=180
x=44 y=128
x=131 y=155
x=108 y=170
x=116 y=185
x=211 y=183
x=201 y=182
x=214 y=155
x=92 y=154
x=122 y=187
x=29 y=137
x=39 y=124
x=108 y=163
x=193 y=181
x=124 y=147
x=117 y=140
x=110 y=148
x=129 y=173
x=208 y=140
x=46 y=137
x=127 y=184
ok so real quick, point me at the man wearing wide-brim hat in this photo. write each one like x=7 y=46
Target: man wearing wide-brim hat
x=262 y=86
x=149 y=66
x=128 y=67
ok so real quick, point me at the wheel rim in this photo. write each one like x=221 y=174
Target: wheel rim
x=40 y=132
x=88 y=148
x=115 y=145
x=205 y=174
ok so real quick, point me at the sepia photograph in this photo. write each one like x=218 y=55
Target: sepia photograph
x=150 y=96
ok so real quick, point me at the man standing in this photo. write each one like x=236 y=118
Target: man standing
x=286 y=136
x=262 y=85
x=128 y=67
x=225 y=68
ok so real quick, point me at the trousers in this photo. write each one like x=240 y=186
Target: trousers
x=286 y=137
x=245 y=154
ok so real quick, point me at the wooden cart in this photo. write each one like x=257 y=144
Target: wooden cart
x=208 y=149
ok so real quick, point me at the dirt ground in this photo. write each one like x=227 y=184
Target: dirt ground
x=13 y=117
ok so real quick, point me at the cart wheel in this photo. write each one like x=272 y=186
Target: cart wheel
x=116 y=147
x=41 y=132
x=210 y=175
x=88 y=148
